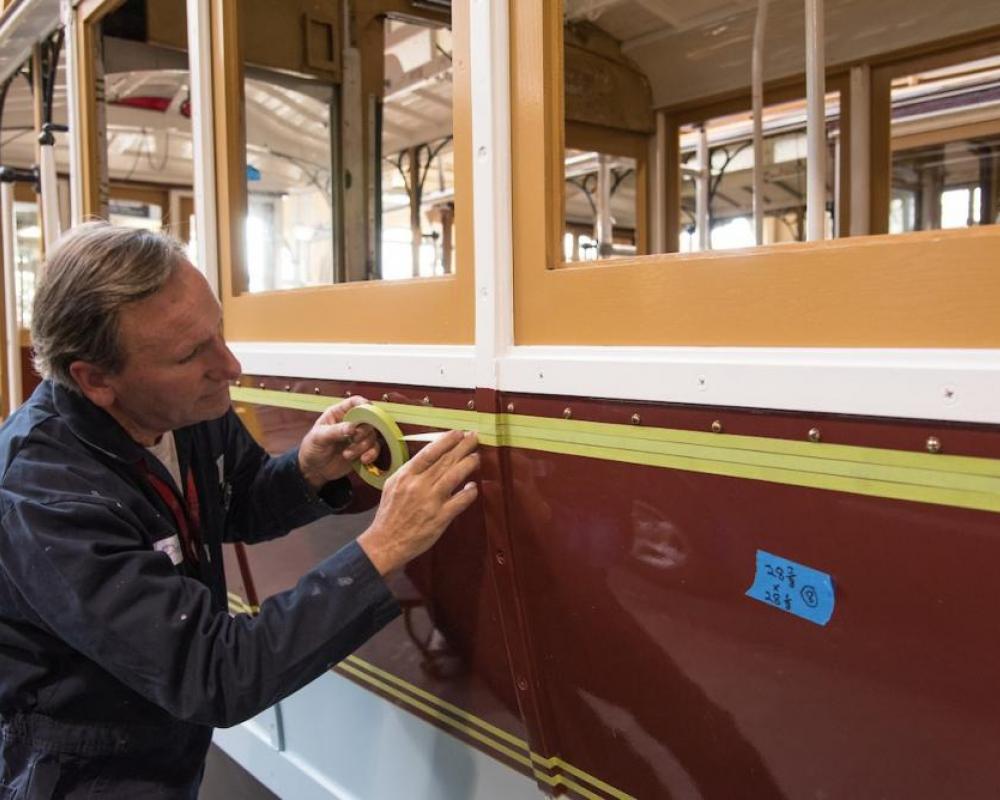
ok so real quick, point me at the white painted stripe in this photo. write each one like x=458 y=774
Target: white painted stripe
x=203 y=141
x=950 y=385
x=954 y=385
x=489 y=67
x=449 y=366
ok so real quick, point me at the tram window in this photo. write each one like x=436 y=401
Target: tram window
x=417 y=197
x=147 y=146
x=595 y=181
x=729 y=212
x=28 y=257
x=608 y=121
x=290 y=225
x=945 y=148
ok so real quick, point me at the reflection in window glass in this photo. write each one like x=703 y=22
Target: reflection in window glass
x=290 y=228
x=945 y=151
x=418 y=172
x=28 y=255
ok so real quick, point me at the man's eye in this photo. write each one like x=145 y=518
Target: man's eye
x=189 y=357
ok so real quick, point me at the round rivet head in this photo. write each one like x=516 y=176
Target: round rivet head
x=288 y=387
x=262 y=385
x=933 y=444
x=815 y=435
x=716 y=427
x=471 y=405
x=510 y=408
x=567 y=413
x=385 y=398
x=500 y=557
x=347 y=394
x=426 y=401
x=522 y=684
x=315 y=390
x=239 y=383
x=636 y=419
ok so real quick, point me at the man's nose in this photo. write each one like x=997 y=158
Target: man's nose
x=226 y=366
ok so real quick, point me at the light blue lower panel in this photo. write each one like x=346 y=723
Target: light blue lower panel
x=341 y=742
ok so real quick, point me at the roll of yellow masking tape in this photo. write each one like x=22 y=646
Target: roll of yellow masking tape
x=387 y=428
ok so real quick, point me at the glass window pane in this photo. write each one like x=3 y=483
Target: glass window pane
x=945 y=147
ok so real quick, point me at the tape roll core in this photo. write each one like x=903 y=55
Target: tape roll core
x=387 y=428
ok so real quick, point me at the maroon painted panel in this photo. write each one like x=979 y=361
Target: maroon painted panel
x=664 y=679
x=600 y=607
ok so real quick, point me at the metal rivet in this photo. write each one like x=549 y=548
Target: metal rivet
x=385 y=397
x=636 y=419
x=262 y=385
x=347 y=393
x=288 y=387
x=716 y=427
x=522 y=684
x=471 y=405
x=567 y=413
x=316 y=390
x=239 y=383
x=510 y=408
x=933 y=444
x=426 y=401
x=814 y=435
x=500 y=557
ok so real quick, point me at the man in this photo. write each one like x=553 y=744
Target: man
x=121 y=477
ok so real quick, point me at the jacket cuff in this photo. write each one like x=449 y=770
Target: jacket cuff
x=338 y=494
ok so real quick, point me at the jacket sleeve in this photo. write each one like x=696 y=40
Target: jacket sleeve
x=268 y=495
x=82 y=570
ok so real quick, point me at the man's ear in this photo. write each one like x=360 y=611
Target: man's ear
x=93 y=383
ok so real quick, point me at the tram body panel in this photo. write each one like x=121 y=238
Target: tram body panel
x=653 y=672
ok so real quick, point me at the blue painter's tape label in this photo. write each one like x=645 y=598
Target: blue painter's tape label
x=793 y=588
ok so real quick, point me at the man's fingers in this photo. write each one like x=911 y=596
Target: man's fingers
x=467 y=444
x=458 y=473
x=461 y=500
x=336 y=433
x=430 y=455
x=336 y=412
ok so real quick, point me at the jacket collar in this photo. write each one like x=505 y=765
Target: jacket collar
x=94 y=426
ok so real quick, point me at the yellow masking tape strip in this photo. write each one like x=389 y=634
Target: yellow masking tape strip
x=431 y=698
x=387 y=682
x=959 y=481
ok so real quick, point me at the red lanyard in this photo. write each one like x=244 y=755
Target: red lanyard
x=187 y=517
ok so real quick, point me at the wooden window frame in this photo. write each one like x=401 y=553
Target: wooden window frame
x=930 y=289
x=437 y=310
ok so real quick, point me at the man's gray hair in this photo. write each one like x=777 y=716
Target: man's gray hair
x=93 y=272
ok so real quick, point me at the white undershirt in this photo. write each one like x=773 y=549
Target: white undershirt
x=166 y=451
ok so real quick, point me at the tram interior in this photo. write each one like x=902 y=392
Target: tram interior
x=327 y=157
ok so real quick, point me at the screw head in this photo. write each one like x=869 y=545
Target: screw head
x=316 y=390
x=471 y=405
x=347 y=393
x=510 y=408
x=933 y=444
x=385 y=397
x=567 y=413
x=716 y=426
x=636 y=419
x=262 y=385
x=288 y=387
x=815 y=435
x=522 y=684
x=239 y=382
x=426 y=401
x=500 y=557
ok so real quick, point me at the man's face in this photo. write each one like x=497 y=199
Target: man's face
x=177 y=366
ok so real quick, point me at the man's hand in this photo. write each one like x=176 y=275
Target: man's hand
x=419 y=501
x=331 y=445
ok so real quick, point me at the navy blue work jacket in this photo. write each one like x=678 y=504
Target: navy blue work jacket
x=115 y=663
